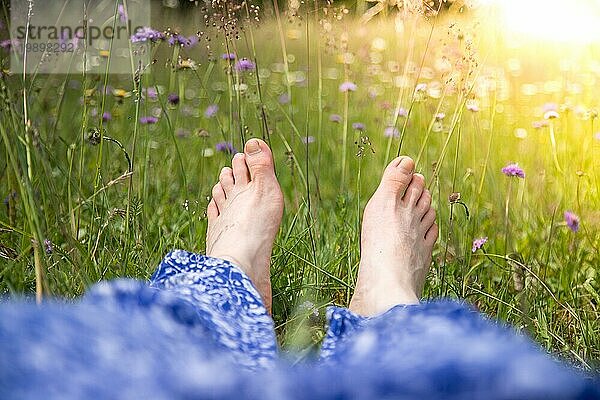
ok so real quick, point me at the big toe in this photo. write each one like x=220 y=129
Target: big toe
x=398 y=175
x=259 y=159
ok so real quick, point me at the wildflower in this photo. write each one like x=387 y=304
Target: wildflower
x=228 y=56
x=150 y=93
x=572 y=221
x=148 y=120
x=147 y=34
x=173 y=99
x=122 y=13
x=472 y=106
x=208 y=152
x=48 y=246
x=182 y=133
x=421 y=87
x=520 y=133
x=359 y=126
x=121 y=93
x=225 y=147
x=402 y=112
x=478 y=244
x=549 y=107
x=186 y=63
x=454 y=197
x=335 y=118
x=211 y=110
x=244 y=65
x=440 y=116
x=551 y=115
x=539 y=124
x=513 y=170
x=308 y=139
x=8 y=43
x=180 y=40
x=106 y=116
x=391 y=131
x=284 y=99
x=348 y=87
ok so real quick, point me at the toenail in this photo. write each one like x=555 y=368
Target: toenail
x=404 y=165
x=253 y=147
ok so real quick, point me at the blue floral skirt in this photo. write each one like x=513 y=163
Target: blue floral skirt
x=199 y=330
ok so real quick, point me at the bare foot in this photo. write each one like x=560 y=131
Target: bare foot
x=245 y=213
x=397 y=238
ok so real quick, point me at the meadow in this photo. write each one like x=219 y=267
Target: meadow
x=101 y=175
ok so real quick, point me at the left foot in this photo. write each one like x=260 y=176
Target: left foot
x=397 y=238
x=245 y=213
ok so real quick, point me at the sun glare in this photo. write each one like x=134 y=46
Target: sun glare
x=557 y=20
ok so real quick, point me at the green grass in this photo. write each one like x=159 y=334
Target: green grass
x=105 y=223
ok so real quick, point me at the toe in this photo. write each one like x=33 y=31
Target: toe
x=424 y=203
x=218 y=195
x=259 y=159
x=240 y=169
x=226 y=180
x=398 y=174
x=431 y=235
x=428 y=220
x=212 y=212
x=415 y=190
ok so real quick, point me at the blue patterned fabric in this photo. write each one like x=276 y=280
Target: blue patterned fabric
x=200 y=330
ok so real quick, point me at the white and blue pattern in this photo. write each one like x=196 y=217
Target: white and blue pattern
x=201 y=331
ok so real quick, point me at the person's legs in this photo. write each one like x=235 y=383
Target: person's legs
x=441 y=349
x=201 y=322
x=230 y=286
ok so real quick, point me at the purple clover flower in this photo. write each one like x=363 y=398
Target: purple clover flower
x=150 y=93
x=180 y=40
x=211 y=110
x=572 y=221
x=402 y=112
x=147 y=34
x=348 y=87
x=173 y=99
x=149 y=120
x=478 y=243
x=106 y=116
x=225 y=147
x=391 y=131
x=244 y=65
x=359 y=126
x=228 y=56
x=513 y=169
x=335 y=118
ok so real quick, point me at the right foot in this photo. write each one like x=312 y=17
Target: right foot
x=245 y=213
x=397 y=238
